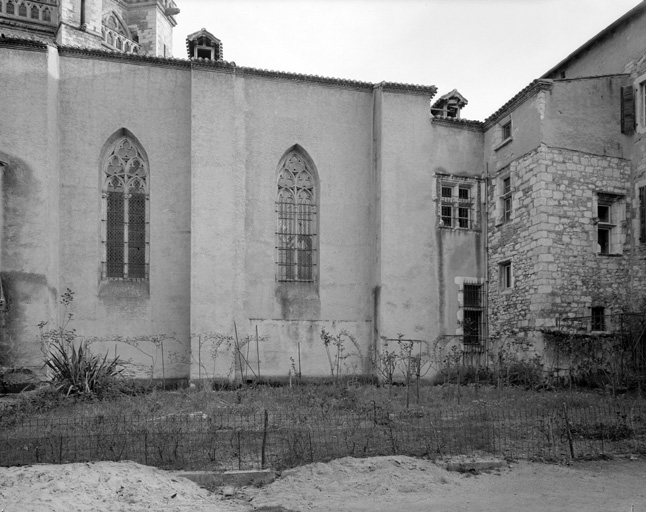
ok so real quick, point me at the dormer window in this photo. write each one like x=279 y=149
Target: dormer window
x=449 y=105
x=204 y=45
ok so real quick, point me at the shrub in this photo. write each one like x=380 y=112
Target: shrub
x=77 y=371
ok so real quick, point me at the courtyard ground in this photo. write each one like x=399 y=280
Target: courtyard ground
x=376 y=484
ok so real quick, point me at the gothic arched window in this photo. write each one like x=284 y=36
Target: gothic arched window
x=10 y=7
x=35 y=13
x=125 y=206
x=22 y=10
x=296 y=223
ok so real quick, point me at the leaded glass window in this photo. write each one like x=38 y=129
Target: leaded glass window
x=125 y=195
x=296 y=221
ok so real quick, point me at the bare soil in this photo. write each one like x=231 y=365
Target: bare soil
x=377 y=484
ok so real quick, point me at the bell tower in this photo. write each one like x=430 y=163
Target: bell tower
x=80 y=23
x=153 y=21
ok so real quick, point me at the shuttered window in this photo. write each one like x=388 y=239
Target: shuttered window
x=627 y=110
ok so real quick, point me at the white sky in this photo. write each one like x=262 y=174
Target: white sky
x=488 y=49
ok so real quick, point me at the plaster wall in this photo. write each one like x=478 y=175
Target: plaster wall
x=258 y=120
x=526 y=125
x=611 y=53
x=29 y=146
x=419 y=261
x=98 y=98
x=585 y=115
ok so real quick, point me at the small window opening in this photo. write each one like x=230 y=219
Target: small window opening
x=506 y=199
x=204 y=53
x=598 y=321
x=505 y=275
x=506 y=131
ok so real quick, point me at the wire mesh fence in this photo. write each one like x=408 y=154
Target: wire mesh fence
x=231 y=441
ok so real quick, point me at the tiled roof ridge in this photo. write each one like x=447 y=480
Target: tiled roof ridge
x=414 y=88
x=301 y=77
x=530 y=90
x=459 y=123
x=114 y=54
x=25 y=42
x=231 y=66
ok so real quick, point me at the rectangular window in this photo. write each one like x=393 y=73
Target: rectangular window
x=506 y=131
x=598 y=321
x=610 y=213
x=505 y=199
x=473 y=319
x=505 y=278
x=458 y=204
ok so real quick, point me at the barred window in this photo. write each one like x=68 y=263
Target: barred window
x=125 y=207
x=474 y=315
x=296 y=221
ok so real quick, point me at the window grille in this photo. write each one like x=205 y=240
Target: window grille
x=22 y=10
x=125 y=195
x=474 y=314
x=10 y=7
x=296 y=221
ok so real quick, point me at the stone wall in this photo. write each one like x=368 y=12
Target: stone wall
x=551 y=239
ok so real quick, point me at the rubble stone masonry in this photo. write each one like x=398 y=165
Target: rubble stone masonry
x=551 y=238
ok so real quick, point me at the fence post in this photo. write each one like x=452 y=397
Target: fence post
x=567 y=430
x=264 y=441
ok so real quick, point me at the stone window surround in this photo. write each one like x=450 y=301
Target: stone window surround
x=456 y=183
x=460 y=282
x=502 y=197
x=614 y=225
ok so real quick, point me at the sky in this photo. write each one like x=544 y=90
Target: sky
x=486 y=49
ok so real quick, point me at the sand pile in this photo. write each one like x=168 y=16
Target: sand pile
x=103 y=486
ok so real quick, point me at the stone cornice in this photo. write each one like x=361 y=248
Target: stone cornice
x=529 y=91
x=465 y=124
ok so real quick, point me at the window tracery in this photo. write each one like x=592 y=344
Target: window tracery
x=296 y=221
x=125 y=197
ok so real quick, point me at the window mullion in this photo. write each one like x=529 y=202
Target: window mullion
x=126 y=223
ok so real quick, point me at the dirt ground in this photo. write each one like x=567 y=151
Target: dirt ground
x=378 y=484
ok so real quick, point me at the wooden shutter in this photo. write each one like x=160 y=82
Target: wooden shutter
x=642 y=214
x=627 y=110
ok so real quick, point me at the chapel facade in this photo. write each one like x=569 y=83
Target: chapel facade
x=212 y=220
